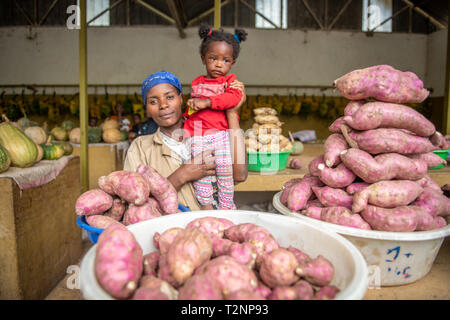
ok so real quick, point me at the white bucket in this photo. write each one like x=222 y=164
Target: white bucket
x=351 y=274
x=393 y=258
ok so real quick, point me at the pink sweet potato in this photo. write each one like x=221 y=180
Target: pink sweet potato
x=313 y=166
x=128 y=185
x=383 y=83
x=385 y=140
x=353 y=106
x=220 y=246
x=326 y=293
x=331 y=197
x=93 y=202
x=430 y=158
x=165 y=239
x=117 y=210
x=200 y=287
x=153 y=288
x=100 y=221
x=118 y=261
x=312 y=212
x=164 y=272
x=301 y=192
x=244 y=253
x=295 y=163
x=105 y=186
x=339 y=177
x=355 y=187
x=244 y=294
x=231 y=275
x=151 y=261
x=301 y=256
x=135 y=214
x=302 y=290
x=287 y=188
x=211 y=226
x=161 y=189
x=387 y=194
x=386 y=166
x=426 y=221
x=314 y=203
x=333 y=147
x=344 y=217
x=189 y=250
x=374 y=115
x=335 y=127
x=427 y=182
x=439 y=141
x=263 y=290
x=278 y=268
x=434 y=203
x=400 y=219
x=318 y=271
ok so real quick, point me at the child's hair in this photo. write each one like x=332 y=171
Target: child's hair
x=209 y=35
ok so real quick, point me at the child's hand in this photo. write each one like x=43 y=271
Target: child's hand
x=198 y=104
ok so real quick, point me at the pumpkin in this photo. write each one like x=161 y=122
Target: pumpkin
x=67 y=125
x=5 y=160
x=52 y=151
x=21 y=149
x=75 y=135
x=298 y=147
x=24 y=123
x=40 y=154
x=94 y=134
x=59 y=133
x=66 y=146
x=112 y=136
x=110 y=124
x=37 y=134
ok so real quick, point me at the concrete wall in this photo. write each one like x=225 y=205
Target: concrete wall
x=436 y=62
x=269 y=57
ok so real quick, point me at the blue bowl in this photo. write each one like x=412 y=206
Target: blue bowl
x=93 y=233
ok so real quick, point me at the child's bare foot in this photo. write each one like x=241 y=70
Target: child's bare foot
x=207 y=207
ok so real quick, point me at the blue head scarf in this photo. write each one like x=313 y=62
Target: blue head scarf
x=158 y=78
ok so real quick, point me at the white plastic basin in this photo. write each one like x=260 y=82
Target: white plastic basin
x=351 y=274
x=393 y=258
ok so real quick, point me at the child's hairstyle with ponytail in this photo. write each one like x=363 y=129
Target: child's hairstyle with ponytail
x=209 y=35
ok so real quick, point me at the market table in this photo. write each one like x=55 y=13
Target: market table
x=38 y=235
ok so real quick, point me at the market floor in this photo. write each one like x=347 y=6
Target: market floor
x=434 y=286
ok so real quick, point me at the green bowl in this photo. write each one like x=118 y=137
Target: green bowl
x=443 y=154
x=268 y=161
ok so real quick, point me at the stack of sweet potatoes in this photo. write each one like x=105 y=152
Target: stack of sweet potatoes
x=210 y=259
x=128 y=197
x=373 y=172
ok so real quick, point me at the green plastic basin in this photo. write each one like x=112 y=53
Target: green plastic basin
x=268 y=161
x=443 y=154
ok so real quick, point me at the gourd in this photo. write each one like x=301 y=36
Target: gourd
x=66 y=146
x=37 y=134
x=94 y=134
x=110 y=124
x=21 y=149
x=40 y=154
x=5 y=160
x=52 y=151
x=59 y=133
x=67 y=125
x=75 y=135
x=112 y=136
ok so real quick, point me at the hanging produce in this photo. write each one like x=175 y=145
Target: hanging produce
x=106 y=106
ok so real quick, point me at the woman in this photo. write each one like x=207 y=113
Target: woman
x=165 y=151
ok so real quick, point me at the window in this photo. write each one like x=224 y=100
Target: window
x=93 y=8
x=274 y=10
x=374 y=13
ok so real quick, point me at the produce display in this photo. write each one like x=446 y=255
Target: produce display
x=128 y=197
x=190 y=264
x=373 y=171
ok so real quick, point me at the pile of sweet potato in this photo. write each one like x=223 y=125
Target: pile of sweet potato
x=373 y=172
x=210 y=259
x=128 y=197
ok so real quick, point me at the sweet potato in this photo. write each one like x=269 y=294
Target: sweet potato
x=263 y=119
x=335 y=127
x=100 y=221
x=399 y=219
x=117 y=210
x=118 y=261
x=318 y=271
x=244 y=253
x=434 y=203
x=353 y=106
x=385 y=140
x=314 y=203
x=164 y=241
x=220 y=246
x=301 y=257
x=105 y=186
x=278 y=268
x=200 y=287
x=333 y=147
x=312 y=212
x=151 y=261
x=331 y=197
x=355 y=187
x=427 y=182
x=387 y=194
x=385 y=166
x=231 y=275
x=344 y=217
x=189 y=250
x=313 y=166
x=161 y=189
x=301 y=192
x=128 y=185
x=153 y=288
x=164 y=272
x=374 y=115
x=244 y=294
x=211 y=226
x=439 y=141
x=326 y=293
x=426 y=221
x=339 y=177
x=295 y=163
x=430 y=158
x=383 y=83
x=302 y=290
x=135 y=214
x=93 y=202
x=263 y=290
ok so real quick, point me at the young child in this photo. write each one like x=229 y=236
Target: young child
x=206 y=124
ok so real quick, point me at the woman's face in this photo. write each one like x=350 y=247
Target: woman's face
x=163 y=104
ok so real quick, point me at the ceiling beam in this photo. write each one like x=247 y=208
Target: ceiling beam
x=339 y=14
x=177 y=16
x=426 y=15
x=390 y=18
x=48 y=12
x=311 y=12
x=206 y=13
x=104 y=11
x=245 y=3
x=156 y=11
x=23 y=13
